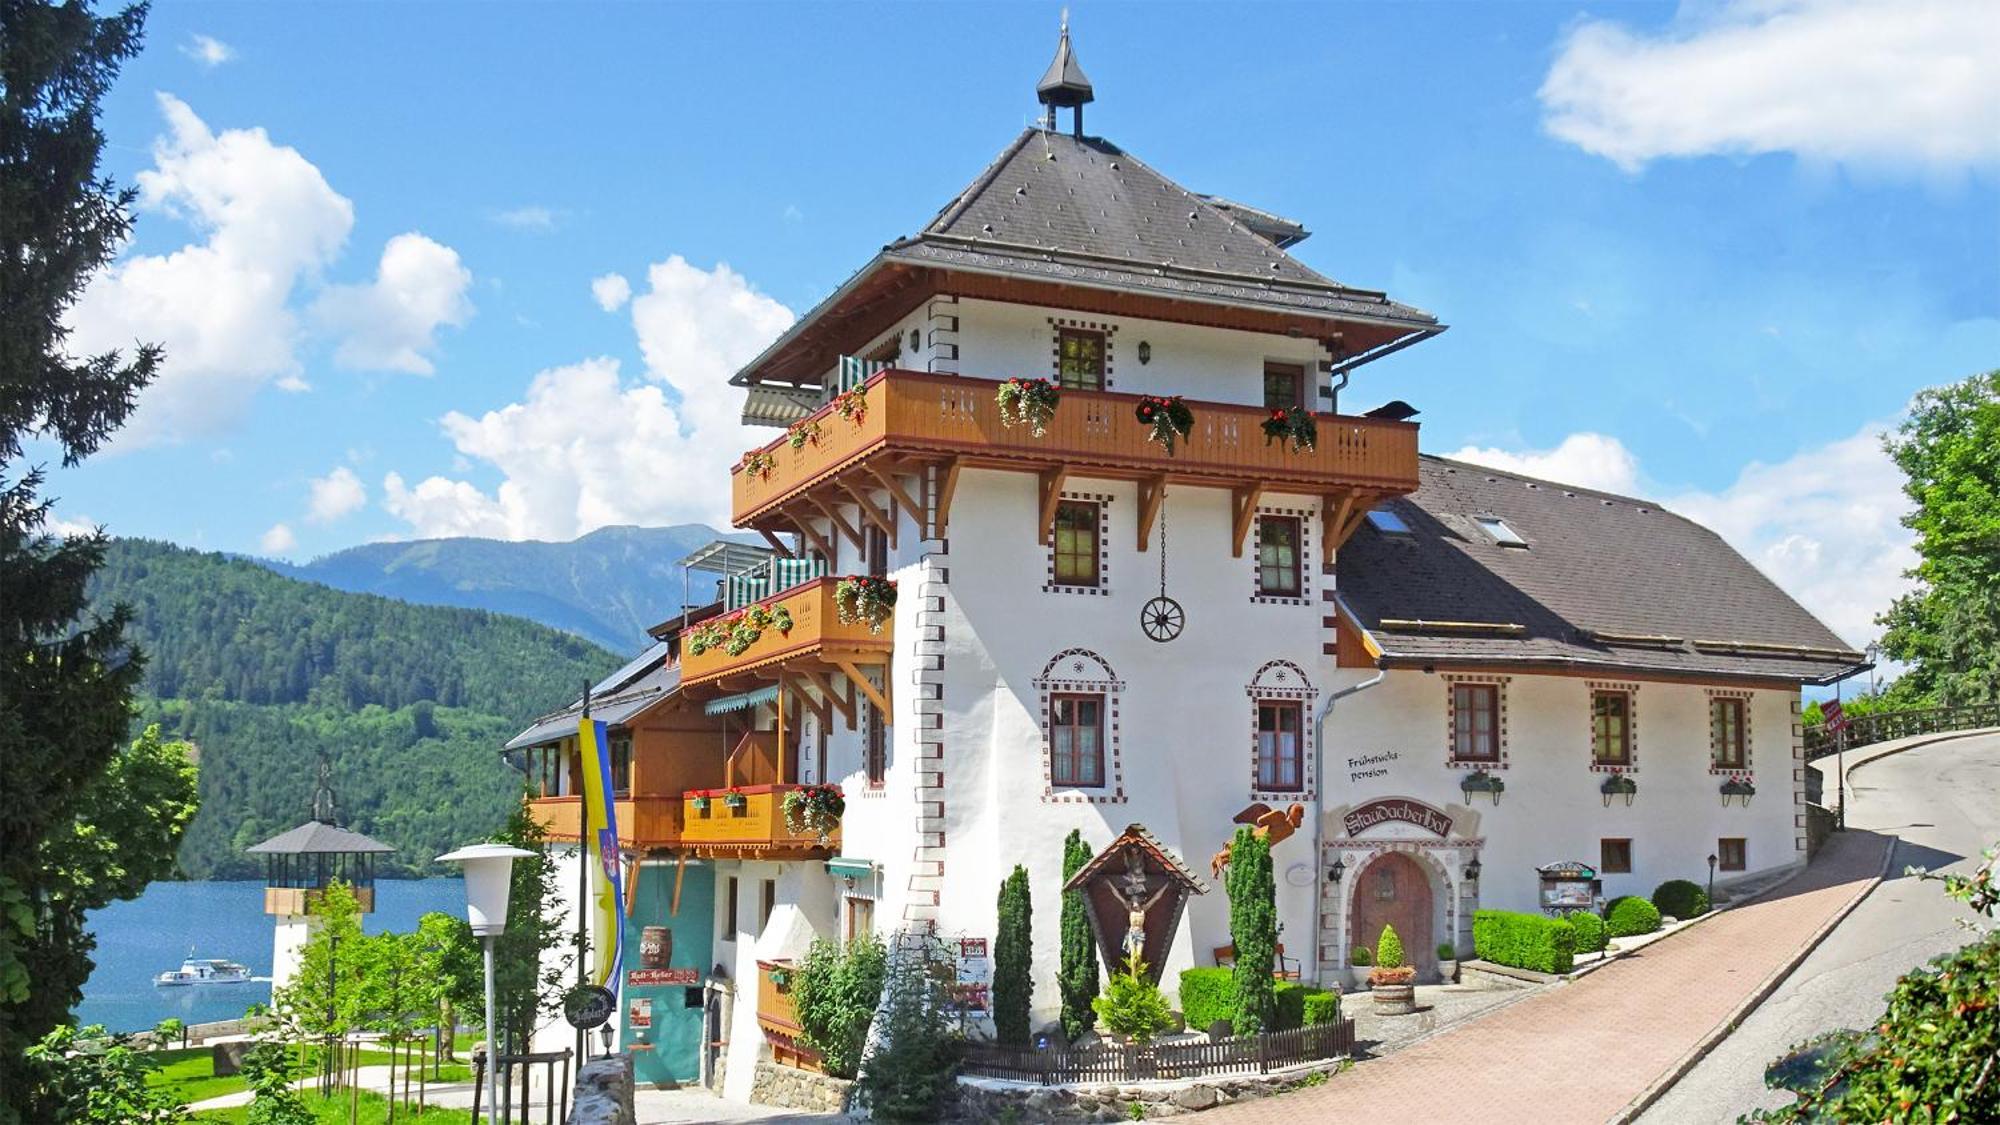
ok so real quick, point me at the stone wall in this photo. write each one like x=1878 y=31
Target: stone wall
x=604 y=1092
x=792 y=1088
x=986 y=1099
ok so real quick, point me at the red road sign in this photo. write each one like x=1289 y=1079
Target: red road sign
x=1836 y=720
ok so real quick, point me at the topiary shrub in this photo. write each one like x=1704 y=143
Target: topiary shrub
x=1288 y=999
x=1525 y=941
x=1631 y=915
x=1590 y=936
x=1680 y=898
x=1013 y=949
x=1321 y=1006
x=1253 y=927
x=1076 y=977
x=1208 y=995
x=1389 y=949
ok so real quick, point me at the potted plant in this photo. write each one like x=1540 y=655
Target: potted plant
x=759 y=464
x=701 y=801
x=801 y=432
x=736 y=799
x=1392 y=983
x=1293 y=425
x=814 y=808
x=1448 y=962
x=1479 y=781
x=1360 y=961
x=1169 y=419
x=1619 y=785
x=1028 y=402
x=852 y=404
x=863 y=597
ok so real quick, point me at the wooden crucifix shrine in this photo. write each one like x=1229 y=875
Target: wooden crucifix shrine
x=1136 y=890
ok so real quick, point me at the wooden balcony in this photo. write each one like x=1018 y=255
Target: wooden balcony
x=757 y=830
x=916 y=418
x=817 y=639
x=779 y=1019
x=643 y=822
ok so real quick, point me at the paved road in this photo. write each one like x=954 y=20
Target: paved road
x=1943 y=803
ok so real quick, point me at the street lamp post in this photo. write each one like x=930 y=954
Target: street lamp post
x=1711 y=881
x=489 y=870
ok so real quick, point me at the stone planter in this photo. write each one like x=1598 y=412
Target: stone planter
x=1357 y=975
x=1395 y=999
x=1448 y=971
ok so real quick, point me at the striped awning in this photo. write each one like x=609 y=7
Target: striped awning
x=741 y=702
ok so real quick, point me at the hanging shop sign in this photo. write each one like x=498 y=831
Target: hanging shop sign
x=652 y=977
x=1365 y=816
x=588 y=1006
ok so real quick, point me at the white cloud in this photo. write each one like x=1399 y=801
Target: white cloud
x=63 y=527
x=338 y=493
x=221 y=306
x=207 y=50
x=539 y=220
x=279 y=540
x=1824 y=524
x=587 y=449
x=1586 y=460
x=1894 y=83
x=390 y=323
x=611 y=291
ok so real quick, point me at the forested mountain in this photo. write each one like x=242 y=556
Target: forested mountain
x=265 y=673
x=607 y=586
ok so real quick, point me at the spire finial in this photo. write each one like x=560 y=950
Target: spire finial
x=323 y=809
x=1064 y=84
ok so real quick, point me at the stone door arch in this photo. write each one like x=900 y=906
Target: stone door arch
x=1394 y=889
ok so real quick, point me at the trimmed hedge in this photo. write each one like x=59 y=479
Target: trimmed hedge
x=1631 y=915
x=1681 y=898
x=1322 y=1007
x=1525 y=941
x=1590 y=936
x=1207 y=995
x=1289 y=998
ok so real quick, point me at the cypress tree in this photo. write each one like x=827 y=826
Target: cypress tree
x=1077 y=976
x=1013 y=946
x=1253 y=927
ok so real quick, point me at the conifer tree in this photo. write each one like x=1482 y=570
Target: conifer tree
x=1077 y=975
x=1253 y=927
x=1013 y=968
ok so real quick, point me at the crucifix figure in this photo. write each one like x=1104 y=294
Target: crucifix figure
x=1132 y=888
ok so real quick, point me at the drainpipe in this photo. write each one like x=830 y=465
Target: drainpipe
x=1319 y=814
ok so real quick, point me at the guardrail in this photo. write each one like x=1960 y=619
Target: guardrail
x=1881 y=726
x=1195 y=1058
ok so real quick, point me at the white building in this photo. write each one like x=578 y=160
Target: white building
x=1360 y=629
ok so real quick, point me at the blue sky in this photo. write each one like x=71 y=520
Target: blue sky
x=1697 y=252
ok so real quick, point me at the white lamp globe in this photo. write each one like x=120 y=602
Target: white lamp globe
x=488 y=878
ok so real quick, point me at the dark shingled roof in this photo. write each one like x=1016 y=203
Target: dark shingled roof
x=1605 y=581
x=316 y=838
x=1084 y=211
x=615 y=700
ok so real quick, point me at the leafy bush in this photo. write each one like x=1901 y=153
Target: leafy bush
x=1361 y=957
x=834 y=992
x=1132 y=1005
x=1321 y=1006
x=1590 y=936
x=1447 y=951
x=1525 y=941
x=268 y=1070
x=98 y=1084
x=1680 y=898
x=1253 y=927
x=1389 y=949
x=1013 y=966
x=1631 y=915
x=1288 y=998
x=1208 y=995
x=911 y=1069
x=1076 y=978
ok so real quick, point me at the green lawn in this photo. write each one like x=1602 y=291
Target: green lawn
x=190 y=1074
x=333 y=1111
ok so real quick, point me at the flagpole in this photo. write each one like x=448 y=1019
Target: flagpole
x=582 y=880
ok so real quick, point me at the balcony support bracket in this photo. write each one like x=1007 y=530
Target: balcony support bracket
x=818 y=706
x=879 y=697
x=899 y=494
x=1152 y=492
x=873 y=514
x=835 y=700
x=839 y=522
x=806 y=529
x=1051 y=496
x=1343 y=519
x=777 y=544
x=947 y=485
x=1243 y=507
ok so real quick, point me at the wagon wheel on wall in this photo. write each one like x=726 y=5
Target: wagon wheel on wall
x=1162 y=618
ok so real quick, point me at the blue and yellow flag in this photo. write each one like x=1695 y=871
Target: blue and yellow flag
x=600 y=826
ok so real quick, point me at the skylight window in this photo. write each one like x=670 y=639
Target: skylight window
x=1501 y=533
x=1388 y=522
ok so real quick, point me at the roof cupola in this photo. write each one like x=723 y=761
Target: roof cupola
x=1064 y=84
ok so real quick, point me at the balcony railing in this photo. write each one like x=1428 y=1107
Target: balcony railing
x=643 y=821
x=753 y=828
x=917 y=413
x=779 y=1018
x=816 y=631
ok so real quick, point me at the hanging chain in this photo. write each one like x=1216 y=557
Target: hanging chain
x=1163 y=539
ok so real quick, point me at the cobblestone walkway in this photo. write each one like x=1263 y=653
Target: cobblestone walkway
x=1581 y=1052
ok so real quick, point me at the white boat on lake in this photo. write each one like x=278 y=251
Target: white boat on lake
x=205 y=971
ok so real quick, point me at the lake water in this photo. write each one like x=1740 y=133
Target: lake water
x=138 y=939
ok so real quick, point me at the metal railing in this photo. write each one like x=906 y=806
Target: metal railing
x=1881 y=726
x=1114 y=1062
x=517 y=1076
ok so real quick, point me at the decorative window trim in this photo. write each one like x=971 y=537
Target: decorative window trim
x=1746 y=771
x=1103 y=587
x=1451 y=758
x=1056 y=327
x=1631 y=690
x=1071 y=671
x=1284 y=681
x=1257 y=594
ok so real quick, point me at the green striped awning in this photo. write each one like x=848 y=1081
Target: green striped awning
x=742 y=702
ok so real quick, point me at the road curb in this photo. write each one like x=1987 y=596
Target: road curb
x=1659 y=1086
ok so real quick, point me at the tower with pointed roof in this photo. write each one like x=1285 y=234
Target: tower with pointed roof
x=301 y=863
x=1064 y=84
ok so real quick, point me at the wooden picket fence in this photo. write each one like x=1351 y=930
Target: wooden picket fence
x=1881 y=726
x=1194 y=1058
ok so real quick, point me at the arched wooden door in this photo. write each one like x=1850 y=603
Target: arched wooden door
x=1394 y=890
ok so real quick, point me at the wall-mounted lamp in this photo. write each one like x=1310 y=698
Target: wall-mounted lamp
x=1145 y=352
x=1338 y=869
x=1472 y=870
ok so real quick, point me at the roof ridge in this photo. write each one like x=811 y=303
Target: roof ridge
x=1515 y=474
x=972 y=191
